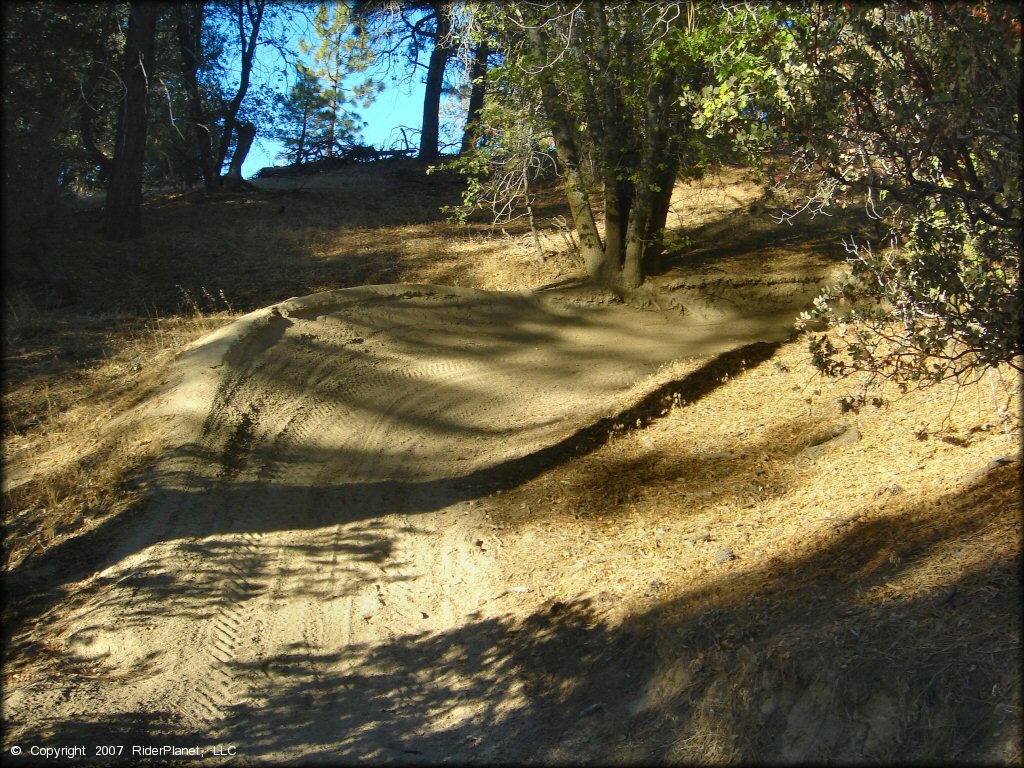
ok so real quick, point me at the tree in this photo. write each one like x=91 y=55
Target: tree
x=122 y=216
x=440 y=53
x=624 y=89
x=339 y=50
x=245 y=19
x=916 y=110
x=61 y=80
x=400 y=32
x=478 y=89
x=301 y=117
x=190 y=17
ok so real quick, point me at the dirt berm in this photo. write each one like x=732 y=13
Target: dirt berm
x=316 y=504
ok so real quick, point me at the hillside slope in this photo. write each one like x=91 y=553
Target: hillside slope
x=420 y=523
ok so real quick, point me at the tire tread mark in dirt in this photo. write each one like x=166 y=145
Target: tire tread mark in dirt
x=400 y=596
x=215 y=693
x=210 y=697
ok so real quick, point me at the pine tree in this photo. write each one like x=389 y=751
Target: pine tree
x=340 y=50
x=302 y=118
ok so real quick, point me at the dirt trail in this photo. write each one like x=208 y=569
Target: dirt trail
x=318 y=501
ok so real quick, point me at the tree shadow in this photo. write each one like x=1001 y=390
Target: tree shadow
x=845 y=651
x=222 y=506
x=741 y=237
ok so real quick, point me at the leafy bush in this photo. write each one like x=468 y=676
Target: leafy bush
x=915 y=111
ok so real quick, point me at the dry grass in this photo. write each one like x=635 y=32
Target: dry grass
x=829 y=604
x=812 y=608
x=70 y=452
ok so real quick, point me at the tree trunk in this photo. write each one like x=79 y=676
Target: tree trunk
x=246 y=134
x=430 y=133
x=301 y=153
x=190 y=41
x=610 y=138
x=88 y=112
x=254 y=9
x=476 y=97
x=655 y=147
x=576 y=192
x=123 y=212
x=632 y=268
x=660 y=201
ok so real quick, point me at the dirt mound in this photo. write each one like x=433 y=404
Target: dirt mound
x=316 y=498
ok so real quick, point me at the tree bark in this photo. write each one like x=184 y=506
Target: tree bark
x=429 y=135
x=123 y=212
x=655 y=147
x=476 y=97
x=660 y=201
x=246 y=134
x=190 y=41
x=610 y=138
x=576 y=192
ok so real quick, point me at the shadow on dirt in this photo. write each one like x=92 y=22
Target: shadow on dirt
x=220 y=507
x=717 y=241
x=756 y=666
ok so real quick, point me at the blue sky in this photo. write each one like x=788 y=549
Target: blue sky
x=394 y=106
x=397 y=105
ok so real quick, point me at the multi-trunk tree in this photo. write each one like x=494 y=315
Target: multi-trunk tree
x=624 y=88
x=217 y=114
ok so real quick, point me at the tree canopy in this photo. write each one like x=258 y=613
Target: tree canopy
x=909 y=110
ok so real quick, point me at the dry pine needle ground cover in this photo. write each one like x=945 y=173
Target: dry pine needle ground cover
x=784 y=578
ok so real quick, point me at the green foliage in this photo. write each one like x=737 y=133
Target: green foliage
x=736 y=103
x=916 y=111
x=646 y=93
x=303 y=122
x=515 y=155
x=317 y=117
x=59 y=65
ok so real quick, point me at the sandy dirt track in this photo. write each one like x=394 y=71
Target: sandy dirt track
x=317 y=504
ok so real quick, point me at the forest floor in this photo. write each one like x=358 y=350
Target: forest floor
x=452 y=505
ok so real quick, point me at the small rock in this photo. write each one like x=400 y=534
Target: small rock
x=839 y=522
x=848 y=436
x=841 y=435
x=703 y=536
x=724 y=555
x=654 y=586
x=592 y=709
x=893 y=489
x=648 y=442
